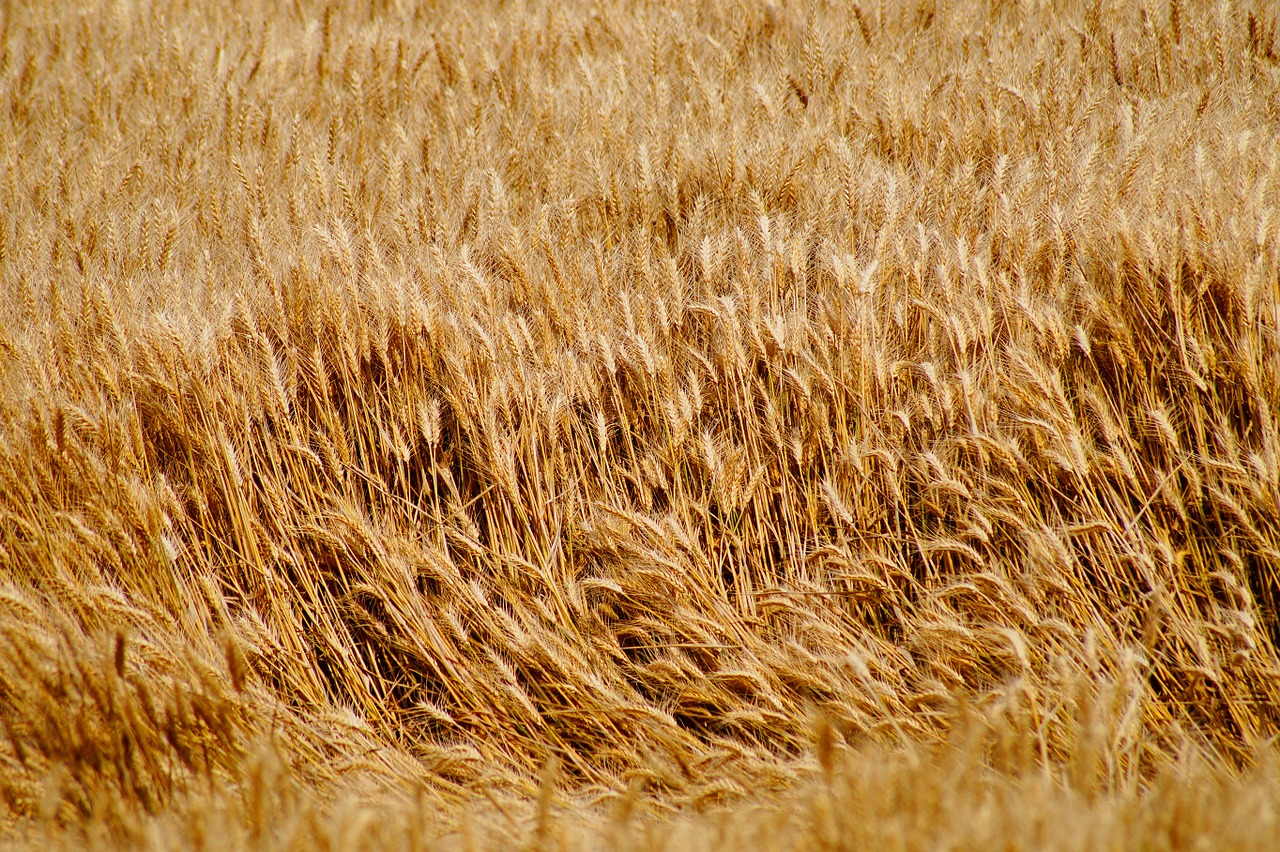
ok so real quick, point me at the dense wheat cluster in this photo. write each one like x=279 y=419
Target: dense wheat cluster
x=725 y=425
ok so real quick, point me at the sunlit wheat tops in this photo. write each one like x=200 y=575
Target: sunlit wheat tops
x=573 y=424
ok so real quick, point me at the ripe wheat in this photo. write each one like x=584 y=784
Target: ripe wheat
x=572 y=424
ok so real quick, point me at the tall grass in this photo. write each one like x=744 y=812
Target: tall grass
x=569 y=424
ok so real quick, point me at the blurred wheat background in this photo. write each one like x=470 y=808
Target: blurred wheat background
x=620 y=425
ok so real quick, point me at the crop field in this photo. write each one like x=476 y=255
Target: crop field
x=613 y=425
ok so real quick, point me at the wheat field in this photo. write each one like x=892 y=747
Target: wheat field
x=525 y=424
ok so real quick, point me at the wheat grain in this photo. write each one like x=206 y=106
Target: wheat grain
x=392 y=397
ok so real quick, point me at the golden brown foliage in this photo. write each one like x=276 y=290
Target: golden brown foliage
x=573 y=424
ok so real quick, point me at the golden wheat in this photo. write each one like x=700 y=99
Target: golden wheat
x=566 y=425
